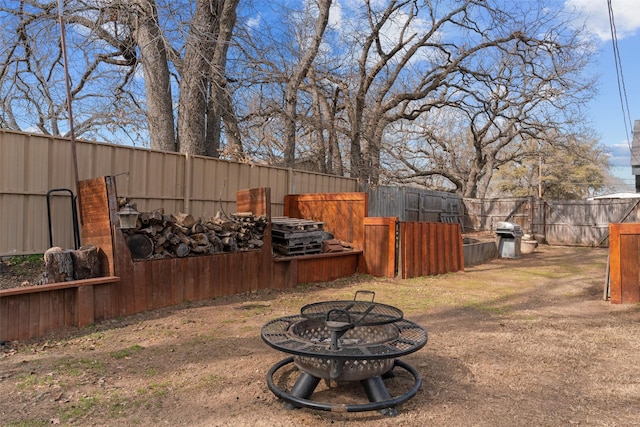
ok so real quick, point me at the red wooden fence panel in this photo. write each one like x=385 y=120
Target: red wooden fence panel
x=380 y=246
x=428 y=249
x=624 y=269
x=342 y=213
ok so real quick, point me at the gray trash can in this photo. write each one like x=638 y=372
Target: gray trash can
x=509 y=237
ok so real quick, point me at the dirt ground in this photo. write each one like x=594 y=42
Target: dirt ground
x=526 y=342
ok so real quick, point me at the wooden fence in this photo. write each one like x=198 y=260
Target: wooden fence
x=32 y=165
x=624 y=269
x=562 y=222
x=130 y=286
x=429 y=249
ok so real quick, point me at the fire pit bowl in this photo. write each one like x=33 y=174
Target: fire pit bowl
x=344 y=341
x=316 y=331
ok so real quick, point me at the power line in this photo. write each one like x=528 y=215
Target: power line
x=622 y=91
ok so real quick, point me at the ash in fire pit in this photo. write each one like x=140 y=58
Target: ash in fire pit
x=345 y=341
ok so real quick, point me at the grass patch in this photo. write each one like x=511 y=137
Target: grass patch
x=126 y=352
x=78 y=367
x=32 y=381
x=80 y=409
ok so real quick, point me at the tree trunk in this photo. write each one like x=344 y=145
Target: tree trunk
x=291 y=91
x=202 y=73
x=156 y=77
x=85 y=262
x=58 y=265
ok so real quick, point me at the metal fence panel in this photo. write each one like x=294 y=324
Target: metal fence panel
x=31 y=165
x=414 y=204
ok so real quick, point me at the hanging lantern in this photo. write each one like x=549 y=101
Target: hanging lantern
x=128 y=217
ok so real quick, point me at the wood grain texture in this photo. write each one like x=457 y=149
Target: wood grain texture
x=428 y=249
x=624 y=269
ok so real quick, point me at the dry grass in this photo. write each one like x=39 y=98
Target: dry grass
x=511 y=342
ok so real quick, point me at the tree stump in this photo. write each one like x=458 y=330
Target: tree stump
x=86 y=263
x=58 y=265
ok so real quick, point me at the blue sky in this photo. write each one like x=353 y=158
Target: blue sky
x=605 y=113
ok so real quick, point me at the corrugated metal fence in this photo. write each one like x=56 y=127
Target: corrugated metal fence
x=414 y=204
x=32 y=165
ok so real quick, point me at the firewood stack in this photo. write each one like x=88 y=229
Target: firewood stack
x=161 y=235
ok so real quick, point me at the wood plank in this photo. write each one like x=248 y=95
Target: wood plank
x=56 y=286
x=379 y=250
x=4 y=319
x=256 y=200
x=433 y=250
x=615 y=284
x=23 y=316
x=84 y=299
x=440 y=244
x=630 y=270
x=415 y=236
x=44 y=312
x=424 y=248
x=326 y=269
x=13 y=319
x=342 y=213
x=56 y=310
x=34 y=315
x=402 y=248
x=447 y=248
x=188 y=281
x=70 y=307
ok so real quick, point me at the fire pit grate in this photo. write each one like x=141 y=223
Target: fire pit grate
x=278 y=334
x=345 y=341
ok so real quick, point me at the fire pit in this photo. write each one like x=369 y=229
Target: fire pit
x=345 y=341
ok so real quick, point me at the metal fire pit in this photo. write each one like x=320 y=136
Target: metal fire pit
x=345 y=341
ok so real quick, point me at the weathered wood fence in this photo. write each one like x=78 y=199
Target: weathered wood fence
x=562 y=222
x=131 y=286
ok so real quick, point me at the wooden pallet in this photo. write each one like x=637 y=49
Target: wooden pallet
x=295 y=236
x=295 y=224
x=310 y=249
x=285 y=234
x=299 y=241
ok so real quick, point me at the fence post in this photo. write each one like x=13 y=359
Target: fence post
x=291 y=181
x=187 y=183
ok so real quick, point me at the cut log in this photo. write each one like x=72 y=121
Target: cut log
x=140 y=245
x=238 y=232
x=185 y=219
x=182 y=250
x=58 y=265
x=86 y=264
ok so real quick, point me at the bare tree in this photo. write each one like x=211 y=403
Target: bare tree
x=507 y=80
x=32 y=89
x=124 y=37
x=309 y=48
x=203 y=77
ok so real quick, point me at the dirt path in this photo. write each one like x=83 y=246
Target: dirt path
x=511 y=342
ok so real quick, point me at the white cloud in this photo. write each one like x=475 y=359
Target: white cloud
x=626 y=15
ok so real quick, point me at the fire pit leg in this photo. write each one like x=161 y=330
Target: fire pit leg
x=377 y=392
x=303 y=388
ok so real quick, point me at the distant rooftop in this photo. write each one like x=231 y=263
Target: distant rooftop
x=616 y=196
